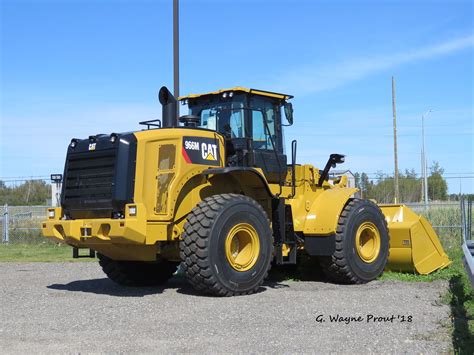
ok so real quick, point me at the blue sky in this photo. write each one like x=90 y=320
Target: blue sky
x=75 y=68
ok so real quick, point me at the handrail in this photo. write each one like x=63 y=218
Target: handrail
x=151 y=123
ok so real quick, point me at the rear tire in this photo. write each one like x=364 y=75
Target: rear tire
x=137 y=273
x=227 y=245
x=362 y=244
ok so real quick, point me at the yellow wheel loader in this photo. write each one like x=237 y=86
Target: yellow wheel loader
x=214 y=191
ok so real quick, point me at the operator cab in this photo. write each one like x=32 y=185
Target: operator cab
x=251 y=122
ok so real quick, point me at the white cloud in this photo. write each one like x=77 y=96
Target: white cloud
x=311 y=79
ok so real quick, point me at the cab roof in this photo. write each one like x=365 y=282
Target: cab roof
x=241 y=89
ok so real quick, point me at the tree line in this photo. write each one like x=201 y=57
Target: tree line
x=410 y=186
x=380 y=188
x=29 y=193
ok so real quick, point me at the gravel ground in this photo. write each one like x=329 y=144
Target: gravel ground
x=73 y=308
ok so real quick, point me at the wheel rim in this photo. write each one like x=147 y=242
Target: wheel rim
x=368 y=242
x=242 y=247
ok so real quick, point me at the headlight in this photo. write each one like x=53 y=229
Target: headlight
x=51 y=214
x=132 y=210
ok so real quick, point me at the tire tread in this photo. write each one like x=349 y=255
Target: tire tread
x=194 y=246
x=336 y=267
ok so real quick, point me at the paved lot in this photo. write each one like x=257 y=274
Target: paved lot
x=72 y=308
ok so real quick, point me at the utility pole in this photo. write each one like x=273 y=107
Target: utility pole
x=176 y=48
x=423 y=159
x=396 y=197
x=422 y=175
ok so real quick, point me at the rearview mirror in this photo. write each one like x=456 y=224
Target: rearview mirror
x=333 y=160
x=289 y=112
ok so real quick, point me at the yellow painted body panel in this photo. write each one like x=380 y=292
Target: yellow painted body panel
x=236 y=89
x=324 y=212
x=414 y=245
x=148 y=172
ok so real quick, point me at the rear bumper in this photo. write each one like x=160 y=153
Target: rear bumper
x=88 y=232
x=130 y=238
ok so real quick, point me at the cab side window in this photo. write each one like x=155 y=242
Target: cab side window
x=261 y=136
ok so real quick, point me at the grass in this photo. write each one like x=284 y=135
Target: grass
x=44 y=252
x=455 y=269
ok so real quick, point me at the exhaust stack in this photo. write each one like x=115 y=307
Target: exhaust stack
x=170 y=108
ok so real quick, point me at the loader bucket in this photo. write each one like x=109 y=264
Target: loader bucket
x=414 y=245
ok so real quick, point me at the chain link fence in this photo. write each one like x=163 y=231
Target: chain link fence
x=444 y=216
x=22 y=224
x=4 y=223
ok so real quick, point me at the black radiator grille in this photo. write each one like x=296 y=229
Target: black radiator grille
x=99 y=176
x=89 y=179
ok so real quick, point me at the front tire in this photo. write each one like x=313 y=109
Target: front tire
x=362 y=244
x=137 y=273
x=227 y=245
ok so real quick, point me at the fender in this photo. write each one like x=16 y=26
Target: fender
x=199 y=184
x=324 y=213
x=251 y=176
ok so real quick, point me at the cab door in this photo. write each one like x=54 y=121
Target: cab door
x=267 y=144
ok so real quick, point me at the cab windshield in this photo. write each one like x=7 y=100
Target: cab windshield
x=226 y=118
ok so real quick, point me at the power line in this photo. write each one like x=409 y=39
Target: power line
x=416 y=173
x=24 y=177
x=25 y=180
x=371 y=176
x=47 y=177
x=386 y=176
x=356 y=135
